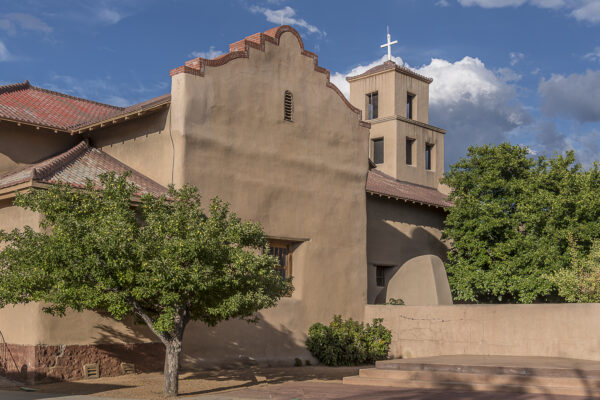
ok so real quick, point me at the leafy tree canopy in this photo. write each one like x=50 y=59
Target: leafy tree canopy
x=165 y=260
x=513 y=216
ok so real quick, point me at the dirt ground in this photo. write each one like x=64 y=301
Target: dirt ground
x=196 y=383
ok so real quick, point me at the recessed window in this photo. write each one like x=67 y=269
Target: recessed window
x=380 y=276
x=428 y=156
x=283 y=251
x=372 y=105
x=409 y=150
x=378 y=151
x=288 y=106
x=410 y=99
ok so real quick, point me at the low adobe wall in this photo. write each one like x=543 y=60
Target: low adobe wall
x=551 y=330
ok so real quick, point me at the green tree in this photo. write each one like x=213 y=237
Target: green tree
x=513 y=216
x=164 y=260
x=580 y=283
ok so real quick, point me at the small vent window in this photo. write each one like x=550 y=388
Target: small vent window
x=288 y=106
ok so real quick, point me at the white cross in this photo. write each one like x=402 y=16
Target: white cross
x=389 y=44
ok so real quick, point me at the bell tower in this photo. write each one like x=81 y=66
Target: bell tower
x=395 y=101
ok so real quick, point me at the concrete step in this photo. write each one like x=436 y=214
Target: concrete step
x=526 y=366
x=473 y=386
x=483 y=378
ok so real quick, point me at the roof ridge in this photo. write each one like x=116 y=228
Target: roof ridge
x=50 y=165
x=389 y=65
x=74 y=97
x=14 y=87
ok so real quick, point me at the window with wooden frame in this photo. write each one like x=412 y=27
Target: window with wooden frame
x=372 y=105
x=288 y=106
x=380 y=276
x=283 y=251
x=409 y=150
x=410 y=100
x=429 y=156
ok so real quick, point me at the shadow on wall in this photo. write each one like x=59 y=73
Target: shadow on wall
x=388 y=245
x=237 y=343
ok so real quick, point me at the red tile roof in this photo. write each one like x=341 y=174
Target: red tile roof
x=75 y=166
x=22 y=102
x=379 y=183
x=388 y=66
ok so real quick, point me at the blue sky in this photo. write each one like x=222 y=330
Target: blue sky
x=524 y=71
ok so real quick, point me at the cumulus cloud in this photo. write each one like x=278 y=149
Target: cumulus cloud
x=587 y=12
x=4 y=53
x=210 y=54
x=11 y=22
x=285 y=16
x=575 y=96
x=476 y=105
x=581 y=10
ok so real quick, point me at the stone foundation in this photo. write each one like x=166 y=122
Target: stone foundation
x=34 y=363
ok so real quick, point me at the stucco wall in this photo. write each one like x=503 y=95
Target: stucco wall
x=551 y=330
x=396 y=232
x=144 y=144
x=303 y=179
x=23 y=145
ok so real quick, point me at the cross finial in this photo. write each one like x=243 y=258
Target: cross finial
x=389 y=44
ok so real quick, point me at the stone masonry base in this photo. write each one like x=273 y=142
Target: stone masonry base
x=35 y=363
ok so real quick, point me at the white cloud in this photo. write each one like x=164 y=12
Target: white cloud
x=210 y=54
x=491 y=3
x=442 y=3
x=285 y=16
x=593 y=55
x=4 y=53
x=590 y=11
x=109 y=16
x=575 y=96
x=515 y=58
x=581 y=10
x=12 y=21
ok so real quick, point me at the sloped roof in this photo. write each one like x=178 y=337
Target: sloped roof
x=388 y=66
x=23 y=102
x=382 y=184
x=75 y=166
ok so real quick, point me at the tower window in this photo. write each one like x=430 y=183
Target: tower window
x=372 y=105
x=288 y=106
x=409 y=151
x=428 y=156
x=380 y=276
x=410 y=99
x=378 y=151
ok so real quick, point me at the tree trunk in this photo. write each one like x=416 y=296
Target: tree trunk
x=173 y=349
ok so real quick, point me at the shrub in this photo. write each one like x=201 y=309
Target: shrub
x=349 y=342
x=395 y=302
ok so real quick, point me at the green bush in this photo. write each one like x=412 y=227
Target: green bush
x=349 y=342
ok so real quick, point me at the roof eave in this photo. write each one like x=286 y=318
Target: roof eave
x=406 y=200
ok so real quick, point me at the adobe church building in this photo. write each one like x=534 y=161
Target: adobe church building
x=347 y=193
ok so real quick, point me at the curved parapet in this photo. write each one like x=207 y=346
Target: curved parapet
x=240 y=49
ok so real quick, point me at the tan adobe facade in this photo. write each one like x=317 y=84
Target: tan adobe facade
x=263 y=128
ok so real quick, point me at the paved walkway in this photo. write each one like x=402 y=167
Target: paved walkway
x=316 y=391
